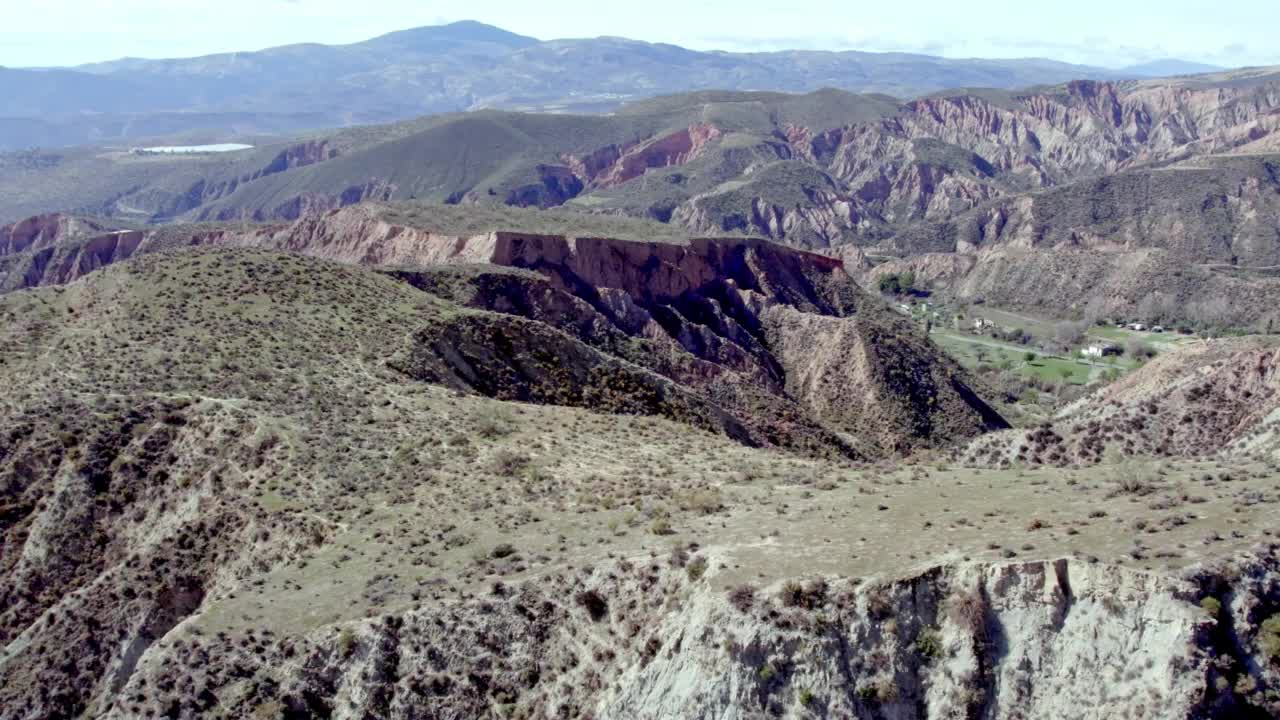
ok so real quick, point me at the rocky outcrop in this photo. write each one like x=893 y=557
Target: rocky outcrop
x=1220 y=210
x=614 y=165
x=302 y=204
x=58 y=264
x=1063 y=639
x=44 y=231
x=58 y=249
x=942 y=156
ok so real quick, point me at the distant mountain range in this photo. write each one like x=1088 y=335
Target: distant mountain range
x=449 y=68
x=1143 y=195
x=1168 y=67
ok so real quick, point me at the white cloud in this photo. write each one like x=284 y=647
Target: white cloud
x=1103 y=32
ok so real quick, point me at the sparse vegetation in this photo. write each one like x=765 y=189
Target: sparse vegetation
x=279 y=448
x=929 y=643
x=346 y=642
x=696 y=568
x=493 y=421
x=742 y=597
x=1132 y=476
x=1269 y=638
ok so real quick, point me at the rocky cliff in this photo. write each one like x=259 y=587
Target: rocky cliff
x=780 y=340
x=940 y=156
x=1060 y=639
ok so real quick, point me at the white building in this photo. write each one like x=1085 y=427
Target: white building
x=1100 y=350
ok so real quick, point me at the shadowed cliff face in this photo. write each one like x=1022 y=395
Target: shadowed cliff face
x=779 y=340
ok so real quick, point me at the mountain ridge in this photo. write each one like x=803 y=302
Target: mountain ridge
x=449 y=68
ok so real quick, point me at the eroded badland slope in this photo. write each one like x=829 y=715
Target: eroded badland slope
x=235 y=482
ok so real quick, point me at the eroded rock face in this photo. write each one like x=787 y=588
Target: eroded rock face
x=58 y=249
x=780 y=341
x=1062 y=639
x=43 y=231
x=943 y=156
x=1191 y=242
x=614 y=165
x=103 y=554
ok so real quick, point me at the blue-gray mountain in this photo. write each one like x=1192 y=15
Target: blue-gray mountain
x=462 y=66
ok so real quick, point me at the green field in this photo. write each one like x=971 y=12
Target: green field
x=973 y=350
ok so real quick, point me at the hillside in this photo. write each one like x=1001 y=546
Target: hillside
x=1210 y=397
x=717 y=316
x=812 y=170
x=457 y=374
x=1193 y=242
x=240 y=483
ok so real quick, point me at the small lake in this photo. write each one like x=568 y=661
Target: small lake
x=224 y=147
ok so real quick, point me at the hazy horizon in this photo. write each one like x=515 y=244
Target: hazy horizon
x=87 y=31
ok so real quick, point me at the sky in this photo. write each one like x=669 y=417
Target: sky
x=1110 y=33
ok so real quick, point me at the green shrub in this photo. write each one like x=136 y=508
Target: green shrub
x=898 y=283
x=662 y=526
x=1269 y=639
x=1211 y=605
x=805 y=697
x=346 y=642
x=494 y=421
x=696 y=568
x=929 y=644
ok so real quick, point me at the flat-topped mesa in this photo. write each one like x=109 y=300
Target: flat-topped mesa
x=661 y=272
x=657 y=271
